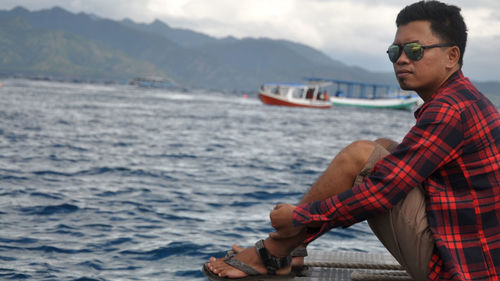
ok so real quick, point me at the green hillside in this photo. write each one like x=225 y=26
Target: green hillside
x=25 y=49
x=59 y=44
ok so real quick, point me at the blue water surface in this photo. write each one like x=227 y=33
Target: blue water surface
x=113 y=182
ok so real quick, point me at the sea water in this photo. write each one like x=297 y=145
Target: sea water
x=113 y=182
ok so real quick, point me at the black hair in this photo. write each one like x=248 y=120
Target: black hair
x=446 y=21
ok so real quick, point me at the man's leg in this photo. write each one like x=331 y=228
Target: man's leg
x=338 y=177
x=404 y=230
x=343 y=170
x=405 y=233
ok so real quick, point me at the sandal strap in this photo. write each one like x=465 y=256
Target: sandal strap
x=232 y=261
x=300 y=251
x=271 y=262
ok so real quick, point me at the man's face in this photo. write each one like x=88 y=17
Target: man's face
x=427 y=74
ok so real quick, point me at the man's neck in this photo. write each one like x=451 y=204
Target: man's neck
x=427 y=93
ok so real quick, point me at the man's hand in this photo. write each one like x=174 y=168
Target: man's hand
x=281 y=220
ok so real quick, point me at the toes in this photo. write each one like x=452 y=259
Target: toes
x=212 y=267
x=221 y=269
x=216 y=264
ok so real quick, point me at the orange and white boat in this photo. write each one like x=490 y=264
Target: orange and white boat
x=294 y=94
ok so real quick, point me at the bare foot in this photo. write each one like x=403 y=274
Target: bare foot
x=248 y=256
x=296 y=261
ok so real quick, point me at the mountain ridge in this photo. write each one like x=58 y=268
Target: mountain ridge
x=91 y=47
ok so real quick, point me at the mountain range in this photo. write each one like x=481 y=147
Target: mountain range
x=59 y=44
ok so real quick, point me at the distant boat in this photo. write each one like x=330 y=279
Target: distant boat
x=151 y=82
x=368 y=95
x=309 y=95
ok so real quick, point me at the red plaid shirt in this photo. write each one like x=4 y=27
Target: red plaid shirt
x=454 y=152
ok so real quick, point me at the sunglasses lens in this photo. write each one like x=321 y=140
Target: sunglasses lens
x=394 y=52
x=414 y=51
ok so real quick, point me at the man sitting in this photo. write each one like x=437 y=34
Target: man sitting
x=434 y=199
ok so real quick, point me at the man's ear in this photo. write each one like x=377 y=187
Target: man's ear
x=453 y=56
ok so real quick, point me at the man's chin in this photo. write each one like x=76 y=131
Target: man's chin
x=405 y=86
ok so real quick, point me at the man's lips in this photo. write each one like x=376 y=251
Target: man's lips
x=402 y=73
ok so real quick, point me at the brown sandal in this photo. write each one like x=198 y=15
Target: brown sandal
x=271 y=263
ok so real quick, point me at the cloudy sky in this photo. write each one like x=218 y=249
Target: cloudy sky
x=355 y=32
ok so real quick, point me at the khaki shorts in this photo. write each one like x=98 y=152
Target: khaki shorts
x=404 y=230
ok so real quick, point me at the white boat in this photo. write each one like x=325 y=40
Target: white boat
x=403 y=102
x=309 y=95
x=359 y=94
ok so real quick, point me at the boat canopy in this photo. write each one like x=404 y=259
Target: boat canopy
x=351 y=89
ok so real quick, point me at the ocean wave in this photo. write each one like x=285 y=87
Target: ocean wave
x=47 y=195
x=50 y=209
x=94 y=264
x=88 y=279
x=189 y=273
x=71 y=147
x=53 y=249
x=7 y=259
x=13 y=275
x=98 y=171
x=20 y=240
x=172 y=249
x=269 y=196
x=13 y=178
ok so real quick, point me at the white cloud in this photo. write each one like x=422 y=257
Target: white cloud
x=482 y=22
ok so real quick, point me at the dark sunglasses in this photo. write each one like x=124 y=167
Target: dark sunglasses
x=414 y=50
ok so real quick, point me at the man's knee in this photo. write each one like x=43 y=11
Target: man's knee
x=359 y=151
x=387 y=143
